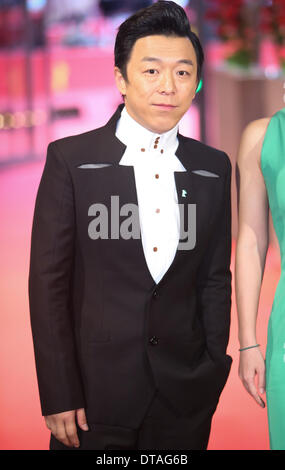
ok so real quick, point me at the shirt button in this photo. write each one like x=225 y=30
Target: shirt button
x=142 y=150
x=161 y=151
x=153 y=340
x=157 y=211
x=155 y=146
x=157 y=176
x=155 y=248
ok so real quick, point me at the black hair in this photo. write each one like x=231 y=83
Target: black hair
x=162 y=18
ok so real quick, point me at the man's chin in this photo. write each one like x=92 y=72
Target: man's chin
x=164 y=126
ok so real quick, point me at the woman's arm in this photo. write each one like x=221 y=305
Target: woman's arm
x=251 y=249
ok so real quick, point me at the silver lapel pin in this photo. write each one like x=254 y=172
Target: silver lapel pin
x=184 y=193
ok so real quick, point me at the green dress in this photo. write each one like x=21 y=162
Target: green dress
x=273 y=169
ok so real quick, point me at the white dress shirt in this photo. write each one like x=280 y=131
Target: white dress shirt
x=154 y=161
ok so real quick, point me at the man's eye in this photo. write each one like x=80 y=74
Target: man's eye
x=183 y=73
x=151 y=71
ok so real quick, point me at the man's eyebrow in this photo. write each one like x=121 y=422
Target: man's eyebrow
x=156 y=59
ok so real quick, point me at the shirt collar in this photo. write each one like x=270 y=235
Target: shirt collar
x=150 y=145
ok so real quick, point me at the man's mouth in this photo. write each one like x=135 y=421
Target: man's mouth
x=164 y=106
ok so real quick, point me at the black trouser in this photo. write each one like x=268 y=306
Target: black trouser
x=161 y=429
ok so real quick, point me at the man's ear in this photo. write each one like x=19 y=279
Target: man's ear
x=120 y=81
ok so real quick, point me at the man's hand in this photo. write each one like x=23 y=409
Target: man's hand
x=251 y=364
x=63 y=426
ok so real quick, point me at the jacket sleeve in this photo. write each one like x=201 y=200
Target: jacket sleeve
x=50 y=275
x=214 y=277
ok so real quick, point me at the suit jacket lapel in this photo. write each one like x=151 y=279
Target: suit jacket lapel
x=186 y=186
x=111 y=148
x=119 y=178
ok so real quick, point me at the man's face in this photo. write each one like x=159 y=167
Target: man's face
x=161 y=81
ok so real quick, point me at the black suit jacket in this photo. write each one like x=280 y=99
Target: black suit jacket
x=105 y=335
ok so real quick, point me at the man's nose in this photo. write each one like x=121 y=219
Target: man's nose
x=167 y=83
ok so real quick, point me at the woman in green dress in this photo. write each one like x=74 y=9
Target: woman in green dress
x=261 y=185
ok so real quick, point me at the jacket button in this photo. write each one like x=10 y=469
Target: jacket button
x=155 y=294
x=153 y=340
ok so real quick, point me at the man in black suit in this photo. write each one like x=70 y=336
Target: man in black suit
x=130 y=313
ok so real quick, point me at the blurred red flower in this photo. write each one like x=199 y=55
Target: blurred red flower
x=272 y=20
x=232 y=27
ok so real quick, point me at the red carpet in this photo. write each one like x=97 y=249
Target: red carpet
x=238 y=424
